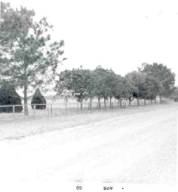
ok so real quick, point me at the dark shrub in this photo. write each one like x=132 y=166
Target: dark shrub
x=8 y=96
x=38 y=100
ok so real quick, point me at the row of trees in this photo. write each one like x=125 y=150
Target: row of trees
x=147 y=82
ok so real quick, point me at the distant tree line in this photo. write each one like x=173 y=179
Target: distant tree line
x=148 y=82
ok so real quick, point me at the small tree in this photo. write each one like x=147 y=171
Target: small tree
x=38 y=100
x=8 y=96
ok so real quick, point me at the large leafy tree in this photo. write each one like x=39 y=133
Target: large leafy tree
x=162 y=75
x=79 y=81
x=105 y=83
x=28 y=56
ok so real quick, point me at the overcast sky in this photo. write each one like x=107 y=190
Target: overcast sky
x=117 y=34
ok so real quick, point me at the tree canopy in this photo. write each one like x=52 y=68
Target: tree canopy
x=103 y=83
x=162 y=76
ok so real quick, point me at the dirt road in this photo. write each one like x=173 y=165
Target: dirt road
x=135 y=147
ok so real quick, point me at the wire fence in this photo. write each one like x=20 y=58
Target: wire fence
x=62 y=107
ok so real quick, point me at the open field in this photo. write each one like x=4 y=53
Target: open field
x=137 y=145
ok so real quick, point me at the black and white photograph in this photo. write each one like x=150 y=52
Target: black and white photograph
x=88 y=95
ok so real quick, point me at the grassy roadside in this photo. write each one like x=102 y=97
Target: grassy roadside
x=16 y=128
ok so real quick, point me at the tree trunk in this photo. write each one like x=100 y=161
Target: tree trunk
x=160 y=99
x=104 y=103
x=138 y=102
x=144 y=101
x=25 y=101
x=90 y=104
x=25 y=90
x=66 y=101
x=120 y=101
x=81 y=104
x=99 y=103
x=110 y=102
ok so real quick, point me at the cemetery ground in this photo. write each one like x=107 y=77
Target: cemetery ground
x=134 y=145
